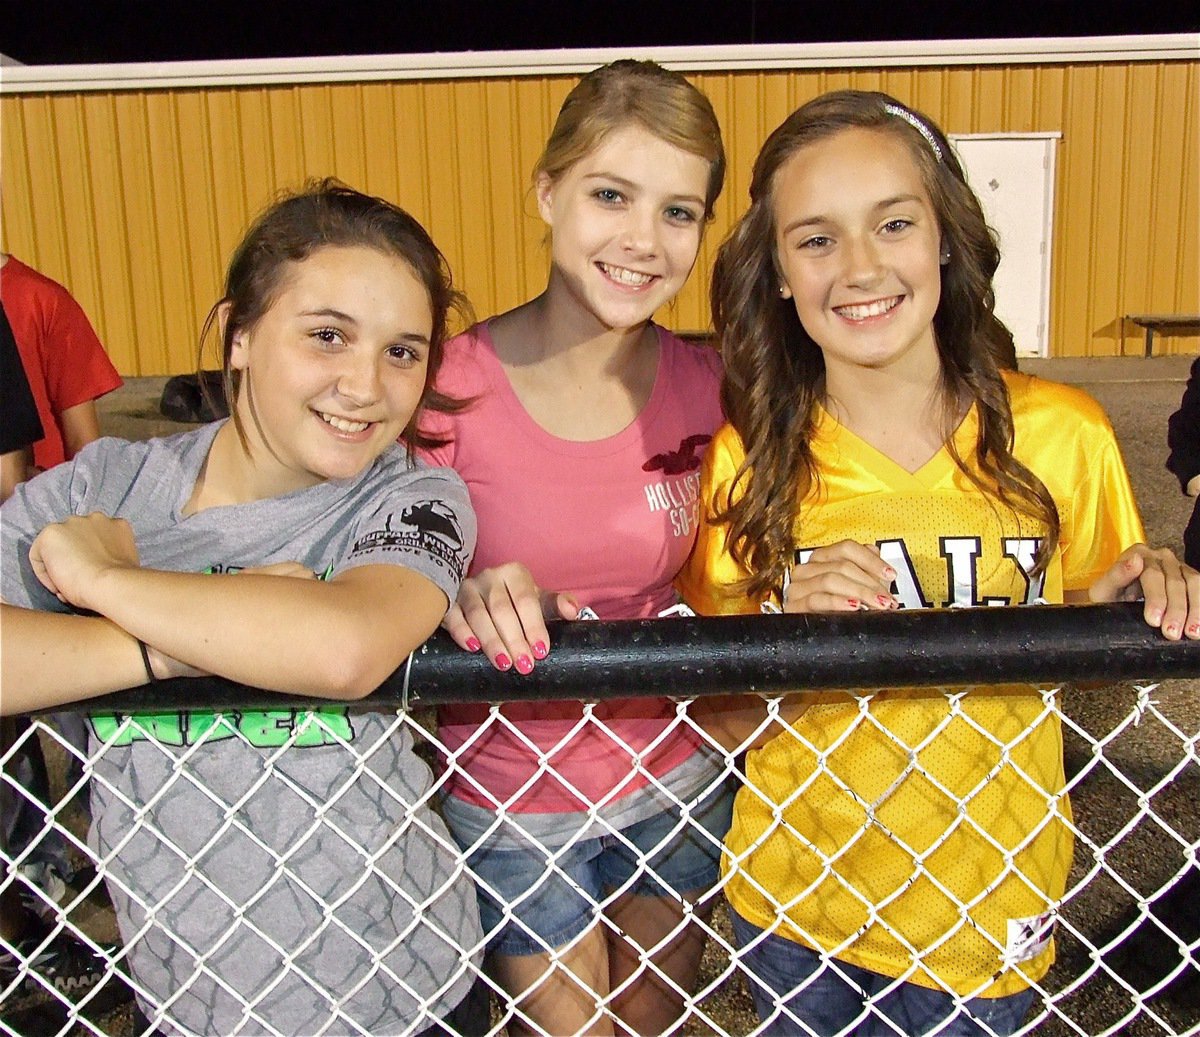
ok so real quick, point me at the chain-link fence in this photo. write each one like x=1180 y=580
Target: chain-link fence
x=300 y=924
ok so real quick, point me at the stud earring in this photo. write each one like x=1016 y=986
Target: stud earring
x=944 y=258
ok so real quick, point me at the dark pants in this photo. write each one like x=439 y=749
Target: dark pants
x=1191 y=538
x=23 y=805
x=797 y=993
x=472 y=1017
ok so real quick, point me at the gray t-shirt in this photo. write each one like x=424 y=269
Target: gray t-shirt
x=271 y=870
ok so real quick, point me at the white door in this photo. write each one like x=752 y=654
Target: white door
x=1013 y=175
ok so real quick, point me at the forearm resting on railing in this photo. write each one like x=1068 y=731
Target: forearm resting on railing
x=53 y=658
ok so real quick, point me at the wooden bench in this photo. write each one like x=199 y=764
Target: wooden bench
x=1153 y=322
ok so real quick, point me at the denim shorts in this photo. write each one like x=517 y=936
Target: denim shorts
x=834 y=998
x=534 y=899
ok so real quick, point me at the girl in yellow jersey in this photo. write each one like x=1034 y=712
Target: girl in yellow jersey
x=896 y=866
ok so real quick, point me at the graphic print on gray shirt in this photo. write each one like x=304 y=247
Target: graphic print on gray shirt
x=256 y=886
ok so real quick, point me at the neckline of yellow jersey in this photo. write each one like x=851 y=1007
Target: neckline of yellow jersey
x=934 y=472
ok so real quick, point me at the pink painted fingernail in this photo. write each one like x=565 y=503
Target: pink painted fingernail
x=852 y=602
x=524 y=664
x=540 y=651
x=885 y=601
x=473 y=644
x=1171 y=630
x=1194 y=630
x=889 y=573
x=503 y=662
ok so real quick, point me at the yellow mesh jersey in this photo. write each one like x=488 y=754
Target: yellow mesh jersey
x=923 y=833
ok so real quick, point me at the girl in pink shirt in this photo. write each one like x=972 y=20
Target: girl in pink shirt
x=581 y=447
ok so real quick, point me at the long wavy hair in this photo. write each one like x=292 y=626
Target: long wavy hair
x=327 y=213
x=775 y=373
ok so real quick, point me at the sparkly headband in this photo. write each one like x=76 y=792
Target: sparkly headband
x=916 y=124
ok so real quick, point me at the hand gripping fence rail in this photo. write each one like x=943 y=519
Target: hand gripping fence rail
x=1127 y=922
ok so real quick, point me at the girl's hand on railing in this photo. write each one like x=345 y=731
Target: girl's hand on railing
x=842 y=577
x=70 y=558
x=1170 y=589
x=502 y=612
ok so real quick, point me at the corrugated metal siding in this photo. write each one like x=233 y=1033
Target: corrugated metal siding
x=135 y=198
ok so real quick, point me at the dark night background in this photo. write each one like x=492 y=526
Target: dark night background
x=87 y=31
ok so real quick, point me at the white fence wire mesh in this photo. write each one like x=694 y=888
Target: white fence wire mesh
x=1128 y=925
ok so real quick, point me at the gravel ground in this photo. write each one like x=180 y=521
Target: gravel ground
x=1137 y=804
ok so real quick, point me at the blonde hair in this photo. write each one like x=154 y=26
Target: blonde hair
x=642 y=92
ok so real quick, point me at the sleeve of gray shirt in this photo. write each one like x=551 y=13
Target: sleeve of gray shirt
x=35 y=504
x=423 y=521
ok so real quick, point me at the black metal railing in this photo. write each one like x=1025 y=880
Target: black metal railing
x=687 y=657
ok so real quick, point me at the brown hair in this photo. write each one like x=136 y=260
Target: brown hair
x=775 y=372
x=327 y=213
x=626 y=91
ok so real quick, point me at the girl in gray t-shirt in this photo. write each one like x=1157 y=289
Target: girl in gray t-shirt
x=272 y=870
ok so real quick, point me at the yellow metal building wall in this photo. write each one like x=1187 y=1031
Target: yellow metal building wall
x=134 y=199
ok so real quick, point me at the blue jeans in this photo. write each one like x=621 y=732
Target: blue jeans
x=530 y=906
x=796 y=992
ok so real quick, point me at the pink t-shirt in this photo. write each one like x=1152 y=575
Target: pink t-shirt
x=611 y=520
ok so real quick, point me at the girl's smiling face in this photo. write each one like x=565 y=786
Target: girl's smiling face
x=335 y=368
x=626 y=222
x=857 y=244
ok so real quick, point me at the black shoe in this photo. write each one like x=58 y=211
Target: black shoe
x=66 y=965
